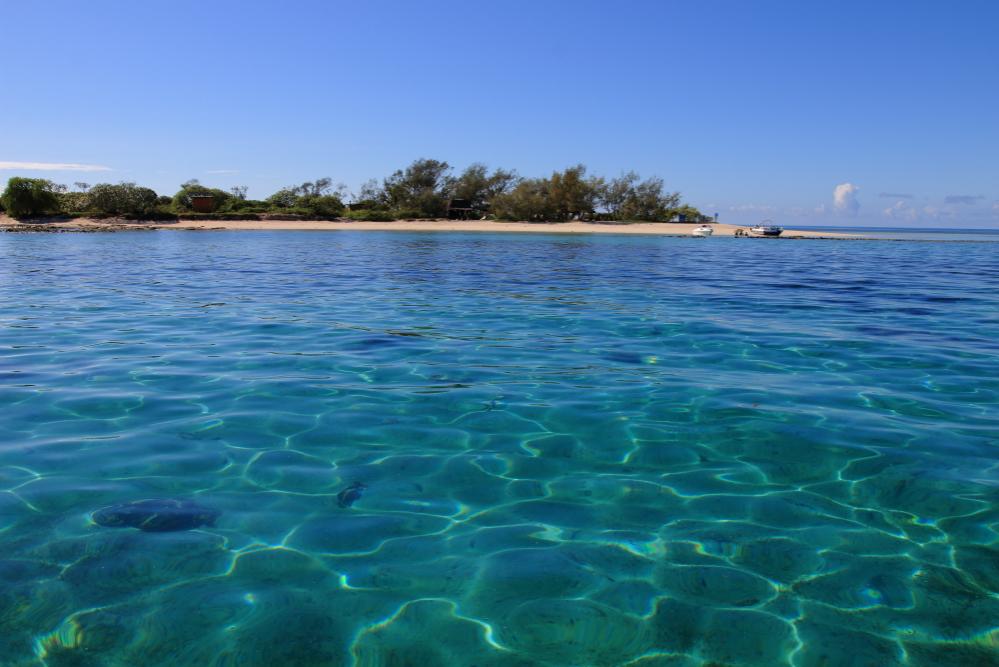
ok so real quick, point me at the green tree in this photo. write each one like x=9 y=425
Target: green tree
x=572 y=195
x=424 y=187
x=283 y=198
x=688 y=213
x=122 y=199
x=319 y=197
x=25 y=197
x=326 y=206
x=371 y=197
x=479 y=187
x=628 y=198
x=530 y=199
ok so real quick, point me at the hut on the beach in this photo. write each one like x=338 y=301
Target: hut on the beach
x=203 y=203
x=461 y=209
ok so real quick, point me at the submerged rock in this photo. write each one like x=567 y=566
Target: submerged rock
x=352 y=493
x=161 y=515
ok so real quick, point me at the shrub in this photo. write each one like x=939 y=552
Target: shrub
x=73 y=201
x=305 y=200
x=126 y=199
x=322 y=205
x=370 y=215
x=406 y=214
x=26 y=197
x=220 y=216
x=247 y=206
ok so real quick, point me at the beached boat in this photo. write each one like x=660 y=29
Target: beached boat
x=703 y=231
x=766 y=229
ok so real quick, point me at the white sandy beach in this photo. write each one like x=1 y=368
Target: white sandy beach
x=657 y=228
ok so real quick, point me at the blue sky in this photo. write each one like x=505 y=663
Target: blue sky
x=874 y=113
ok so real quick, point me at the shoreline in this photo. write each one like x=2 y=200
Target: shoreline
x=680 y=229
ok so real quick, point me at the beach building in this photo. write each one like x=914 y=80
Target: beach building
x=461 y=209
x=203 y=203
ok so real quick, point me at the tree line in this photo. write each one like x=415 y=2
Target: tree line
x=425 y=189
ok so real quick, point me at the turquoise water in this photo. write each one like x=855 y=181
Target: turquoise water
x=577 y=450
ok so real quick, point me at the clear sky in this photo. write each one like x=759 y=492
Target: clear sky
x=806 y=112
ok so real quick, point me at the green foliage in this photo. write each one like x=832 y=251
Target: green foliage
x=406 y=214
x=567 y=195
x=689 y=213
x=370 y=197
x=25 y=197
x=480 y=188
x=182 y=200
x=313 y=198
x=71 y=202
x=424 y=186
x=528 y=200
x=628 y=198
x=247 y=206
x=292 y=213
x=370 y=215
x=126 y=199
x=421 y=190
x=283 y=198
x=572 y=196
x=325 y=206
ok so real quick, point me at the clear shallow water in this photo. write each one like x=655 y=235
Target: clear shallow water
x=578 y=450
x=915 y=233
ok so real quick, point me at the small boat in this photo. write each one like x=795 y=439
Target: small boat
x=766 y=229
x=703 y=231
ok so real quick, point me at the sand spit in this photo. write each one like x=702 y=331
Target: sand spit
x=660 y=229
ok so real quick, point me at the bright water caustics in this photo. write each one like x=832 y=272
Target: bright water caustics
x=457 y=449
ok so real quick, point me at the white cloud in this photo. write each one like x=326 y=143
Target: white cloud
x=900 y=210
x=845 y=198
x=52 y=166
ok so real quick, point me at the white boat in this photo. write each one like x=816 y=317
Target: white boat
x=703 y=231
x=766 y=229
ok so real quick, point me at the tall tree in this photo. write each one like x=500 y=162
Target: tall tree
x=479 y=187
x=572 y=195
x=26 y=197
x=628 y=198
x=530 y=199
x=423 y=187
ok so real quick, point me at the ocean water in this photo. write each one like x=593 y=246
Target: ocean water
x=575 y=450
x=914 y=233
